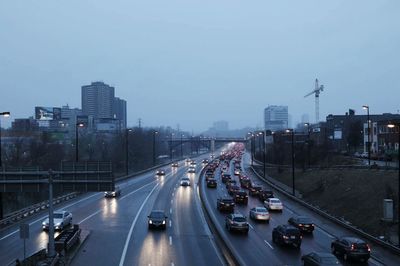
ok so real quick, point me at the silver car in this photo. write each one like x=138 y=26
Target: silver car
x=259 y=214
x=60 y=219
x=273 y=204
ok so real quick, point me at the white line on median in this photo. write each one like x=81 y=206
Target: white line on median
x=266 y=242
x=170 y=240
x=170 y=211
x=170 y=223
x=121 y=262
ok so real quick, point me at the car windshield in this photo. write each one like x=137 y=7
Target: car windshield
x=185 y=179
x=275 y=201
x=57 y=216
x=261 y=210
x=157 y=215
x=239 y=219
x=304 y=220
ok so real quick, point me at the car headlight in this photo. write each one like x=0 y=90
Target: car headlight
x=44 y=223
x=163 y=222
x=150 y=222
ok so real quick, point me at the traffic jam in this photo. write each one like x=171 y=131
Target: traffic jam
x=227 y=171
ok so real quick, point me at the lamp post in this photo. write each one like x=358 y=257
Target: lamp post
x=293 y=183
x=308 y=144
x=5 y=114
x=182 y=145
x=391 y=125
x=366 y=107
x=170 y=147
x=127 y=130
x=154 y=146
x=78 y=125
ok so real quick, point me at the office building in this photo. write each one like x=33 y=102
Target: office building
x=276 y=118
x=98 y=100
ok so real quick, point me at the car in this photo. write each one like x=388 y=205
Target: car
x=157 y=219
x=245 y=183
x=211 y=183
x=319 y=259
x=193 y=163
x=259 y=214
x=187 y=161
x=174 y=165
x=225 y=177
x=233 y=189
x=191 y=170
x=287 y=235
x=160 y=173
x=225 y=205
x=241 y=197
x=273 y=204
x=60 y=220
x=204 y=162
x=114 y=193
x=303 y=223
x=185 y=181
x=254 y=189
x=351 y=248
x=237 y=172
x=265 y=194
x=236 y=222
x=230 y=183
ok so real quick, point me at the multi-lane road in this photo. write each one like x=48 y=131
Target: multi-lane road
x=119 y=234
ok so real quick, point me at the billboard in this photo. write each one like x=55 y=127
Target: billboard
x=47 y=113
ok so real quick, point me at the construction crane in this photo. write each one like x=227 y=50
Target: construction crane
x=316 y=91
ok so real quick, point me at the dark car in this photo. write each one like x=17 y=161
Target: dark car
x=230 y=183
x=319 y=258
x=160 y=173
x=265 y=194
x=225 y=205
x=233 y=189
x=174 y=165
x=114 y=193
x=241 y=197
x=287 y=235
x=225 y=177
x=254 y=190
x=351 y=248
x=245 y=183
x=211 y=183
x=237 y=222
x=157 y=219
x=205 y=161
x=303 y=223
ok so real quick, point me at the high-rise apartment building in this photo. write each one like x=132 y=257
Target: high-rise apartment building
x=276 y=118
x=98 y=100
x=120 y=111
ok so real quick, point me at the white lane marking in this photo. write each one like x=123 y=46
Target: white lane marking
x=121 y=262
x=251 y=226
x=289 y=210
x=172 y=264
x=172 y=201
x=90 y=216
x=44 y=217
x=170 y=211
x=170 y=223
x=266 y=242
x=127 y=195
x=173 y=194
x=170 y=240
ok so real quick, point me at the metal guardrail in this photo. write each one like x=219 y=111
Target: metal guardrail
x=334 y=219
x=28 y=211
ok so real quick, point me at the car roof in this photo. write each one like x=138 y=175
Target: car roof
x=157 y=211
x=273 y=199
x=353 y=239
x=237 y=215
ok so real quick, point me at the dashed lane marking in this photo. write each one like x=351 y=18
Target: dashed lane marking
x=266 y=242
x=170 y=240
x=170 y=223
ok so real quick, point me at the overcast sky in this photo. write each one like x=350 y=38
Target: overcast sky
x=192 y=62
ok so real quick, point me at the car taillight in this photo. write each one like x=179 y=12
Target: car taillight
x=369 y=249
x=352 y=247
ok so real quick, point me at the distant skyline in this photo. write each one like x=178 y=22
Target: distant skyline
x=194 y=63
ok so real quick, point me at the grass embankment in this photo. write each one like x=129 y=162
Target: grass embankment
x=353 y=194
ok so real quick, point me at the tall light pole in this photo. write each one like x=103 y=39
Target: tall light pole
x=154 y=146
x=127 y=130
x=293 y=183
x=391 y=125
x=264 y=152
x=366 y=107
x=170 y=147
x=78 y=125
x=5 y=114
x=182 y=145
x=308 y=144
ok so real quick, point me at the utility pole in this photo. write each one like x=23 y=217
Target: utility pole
x=51 y=249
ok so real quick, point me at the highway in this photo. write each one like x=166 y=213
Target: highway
x=119 y=234
x=118 y=226
x=257 y=247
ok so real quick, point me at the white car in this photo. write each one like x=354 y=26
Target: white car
x=185 y=181
x=60 y=219
x=273 y=204
x=259 y=214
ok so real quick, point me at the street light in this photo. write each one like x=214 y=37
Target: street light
x=78 y=125
x=293 y=183
x=182 y=145
x=366 y=107
x=5 y=114
x=391 y=125
x=308 y=142
x=127 y=149
x=154 y=146
x=170 y=147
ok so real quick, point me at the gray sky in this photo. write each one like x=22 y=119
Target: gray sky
x=193 y=62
